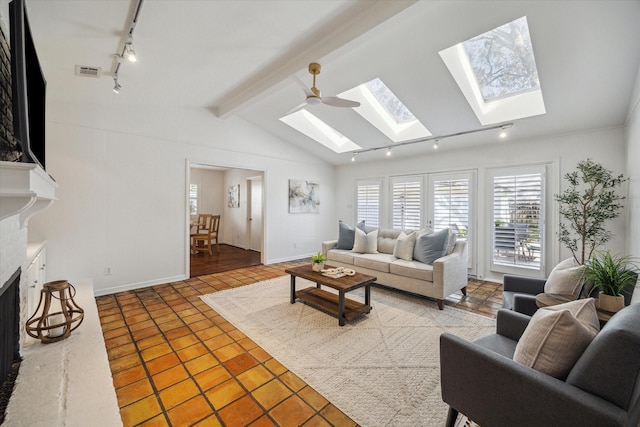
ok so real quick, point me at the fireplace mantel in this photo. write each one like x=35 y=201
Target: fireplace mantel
x=25 y=189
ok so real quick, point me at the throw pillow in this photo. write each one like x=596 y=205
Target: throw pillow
x=346 y=234
x=450 y=243
x=557 y=336
x=404 y=245
x=365 y=243
x=429 y=247
x=565 y=278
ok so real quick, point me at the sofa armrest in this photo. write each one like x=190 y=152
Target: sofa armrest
x=328 y=245
x=450 y=271
x=492 y=389
x=525 y=304
x=511 y=324
x=522 y=284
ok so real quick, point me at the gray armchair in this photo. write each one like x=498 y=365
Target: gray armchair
x=480 y=379
x=519 y=293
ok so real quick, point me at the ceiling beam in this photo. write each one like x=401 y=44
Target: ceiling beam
x=359 y=18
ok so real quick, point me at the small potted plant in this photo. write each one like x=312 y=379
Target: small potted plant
x=611 y=275
x=318 y=261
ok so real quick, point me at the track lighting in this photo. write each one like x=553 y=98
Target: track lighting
x=127 y=50
x=116 y=86
x=436 y=139
x=129 y=53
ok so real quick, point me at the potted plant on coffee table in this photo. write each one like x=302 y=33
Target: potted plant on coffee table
x=318 y=261
x=611 y=275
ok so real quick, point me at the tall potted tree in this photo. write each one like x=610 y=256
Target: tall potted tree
x=585 y=207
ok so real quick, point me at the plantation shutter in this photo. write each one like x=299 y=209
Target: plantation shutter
x=407 y=203
x=517 y=219
x=368 y=203
x=451 y=206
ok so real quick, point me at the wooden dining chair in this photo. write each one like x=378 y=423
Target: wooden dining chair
x=207 y=234
x=200 y=228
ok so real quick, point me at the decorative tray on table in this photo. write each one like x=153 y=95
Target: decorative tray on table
x=336 y=273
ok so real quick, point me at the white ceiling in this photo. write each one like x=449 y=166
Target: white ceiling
x=237 y=58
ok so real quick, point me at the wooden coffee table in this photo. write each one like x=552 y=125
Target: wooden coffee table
x=338 y=306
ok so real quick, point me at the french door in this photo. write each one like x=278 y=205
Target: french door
x=449 y=204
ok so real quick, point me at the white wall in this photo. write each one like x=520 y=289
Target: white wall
x=123 y=173
x=632 y=138
x=235 y=220
x=562 y=152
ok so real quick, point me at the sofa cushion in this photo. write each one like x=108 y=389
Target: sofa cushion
x=365 y=243
x=340 y=255
x=387 y=240
x=429 y=247
x=346 y=234
x=412 y=269
x=557 y=336
x=377 y=262
x=565 y=278
x=404 y=246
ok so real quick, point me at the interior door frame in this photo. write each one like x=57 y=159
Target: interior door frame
x=189 y=163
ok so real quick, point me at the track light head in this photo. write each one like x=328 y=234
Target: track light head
x=503 y=130
x=388 y=151
x=353 y=157
x=116 y=86
x=435 y=144
x=129 y=53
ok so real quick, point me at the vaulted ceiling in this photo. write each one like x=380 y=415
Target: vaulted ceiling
x=236 y=58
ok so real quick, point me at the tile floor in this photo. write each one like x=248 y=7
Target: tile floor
x=176 y=362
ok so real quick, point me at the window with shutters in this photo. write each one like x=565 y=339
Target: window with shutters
x=193 y=199
x=406 y=210
x=518 y=223
x=451 y=206
x=368 y=202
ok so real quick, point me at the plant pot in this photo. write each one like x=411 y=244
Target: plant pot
x=610 y=303
x=317 y=266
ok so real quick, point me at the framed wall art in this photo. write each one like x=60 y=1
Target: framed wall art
x=234 y=196
x=304 y=196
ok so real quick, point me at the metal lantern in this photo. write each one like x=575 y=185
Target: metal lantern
x=51 y=326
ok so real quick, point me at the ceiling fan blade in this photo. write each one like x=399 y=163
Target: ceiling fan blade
x=299 y=107
x=304 y=87
x=334 y=101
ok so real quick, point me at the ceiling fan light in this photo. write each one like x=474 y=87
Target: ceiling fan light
x=313 y=100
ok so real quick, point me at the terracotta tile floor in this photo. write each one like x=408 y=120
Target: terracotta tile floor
x=176 y=362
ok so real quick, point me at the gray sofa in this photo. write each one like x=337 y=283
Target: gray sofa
x=602 y=388
x=447 y=275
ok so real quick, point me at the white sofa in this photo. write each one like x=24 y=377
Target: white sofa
x=447 y=275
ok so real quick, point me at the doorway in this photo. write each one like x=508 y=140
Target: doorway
x=237 y=196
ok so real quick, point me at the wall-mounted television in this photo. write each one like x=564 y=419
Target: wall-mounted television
x=29 y=87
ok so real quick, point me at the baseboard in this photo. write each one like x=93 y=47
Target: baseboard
x=133 y=286
x=287 y=259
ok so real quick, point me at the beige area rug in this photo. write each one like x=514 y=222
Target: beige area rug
x=381 y=370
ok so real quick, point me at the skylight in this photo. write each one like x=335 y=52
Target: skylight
x=497 y=73
x=382 y=108
x=308 y=124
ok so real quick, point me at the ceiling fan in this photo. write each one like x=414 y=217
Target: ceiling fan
x=313 y=94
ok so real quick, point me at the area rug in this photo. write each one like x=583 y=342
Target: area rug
x=381 y=370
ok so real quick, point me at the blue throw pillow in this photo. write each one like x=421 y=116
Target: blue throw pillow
x=347 y=234
x=429 y=247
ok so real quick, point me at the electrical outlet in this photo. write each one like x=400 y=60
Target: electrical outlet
x=107 y=271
